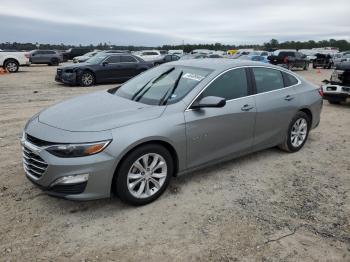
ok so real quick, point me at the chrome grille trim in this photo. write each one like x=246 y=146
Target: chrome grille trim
x=33 y=164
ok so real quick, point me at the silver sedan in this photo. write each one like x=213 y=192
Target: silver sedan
x=170 y=120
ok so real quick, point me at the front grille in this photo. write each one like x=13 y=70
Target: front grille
x=33 y=164
x=59 y=72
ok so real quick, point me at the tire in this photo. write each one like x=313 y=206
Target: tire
x=306 y=65
x=313 y=66
x=54 y=62
x=134 y=172
x=334 y=102
x=86 y=78
x=293 y=145
x=11 y=66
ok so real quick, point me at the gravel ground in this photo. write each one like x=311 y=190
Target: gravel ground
x=267 y=206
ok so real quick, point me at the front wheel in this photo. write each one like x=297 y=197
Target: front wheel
x=86 y=79
x=11 y=66
x=144 y=174
x=297 y=133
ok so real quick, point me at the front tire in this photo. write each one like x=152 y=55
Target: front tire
x=144 y=174
x=297 y=133
x=86 y=79
x=11 y=66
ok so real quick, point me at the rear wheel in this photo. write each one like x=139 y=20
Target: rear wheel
x=11 y=66
x=86 y=79
x=334 y=102
x=54 y=62
x=144 y=174
x=297 y=133
x=306 y=65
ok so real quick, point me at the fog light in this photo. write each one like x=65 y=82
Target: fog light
x=68 y=180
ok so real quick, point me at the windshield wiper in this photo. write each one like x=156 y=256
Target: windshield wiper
x=166 y=97
x=155 y=80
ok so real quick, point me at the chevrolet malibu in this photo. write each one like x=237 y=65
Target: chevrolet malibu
x=170 y=120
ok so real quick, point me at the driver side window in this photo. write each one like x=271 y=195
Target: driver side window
x=232 y=84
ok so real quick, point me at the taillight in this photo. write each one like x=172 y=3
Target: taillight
x=26 y=55
x=320 y=91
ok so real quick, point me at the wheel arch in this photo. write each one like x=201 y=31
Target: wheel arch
x=10 y=59
x=308 y=112
x=164 y=143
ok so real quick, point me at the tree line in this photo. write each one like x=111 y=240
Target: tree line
x=273 y=44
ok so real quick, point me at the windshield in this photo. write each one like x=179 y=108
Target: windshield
x=162 y=85
x=96 y=59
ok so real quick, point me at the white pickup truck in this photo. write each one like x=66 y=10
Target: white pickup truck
x=11 y=61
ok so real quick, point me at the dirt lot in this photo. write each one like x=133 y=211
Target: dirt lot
x=268 y=206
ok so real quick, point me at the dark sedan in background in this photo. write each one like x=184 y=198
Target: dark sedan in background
x=102 y=68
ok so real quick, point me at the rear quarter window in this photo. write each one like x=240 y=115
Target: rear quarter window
x=289 y=80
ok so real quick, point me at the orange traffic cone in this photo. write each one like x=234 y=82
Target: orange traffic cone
x=2 y=71
x=318 y=70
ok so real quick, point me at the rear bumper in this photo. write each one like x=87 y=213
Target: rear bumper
x=336 y=91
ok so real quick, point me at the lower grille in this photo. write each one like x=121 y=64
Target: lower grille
x=33 y=164
x=69 y=189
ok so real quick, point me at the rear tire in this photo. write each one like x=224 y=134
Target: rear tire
x=138 y=182
x=11 y=66
x=297 y=133
x=334 y=102
x=54 y=62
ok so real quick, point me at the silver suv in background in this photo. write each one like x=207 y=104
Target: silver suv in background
x=49 y=57
x=169 y=120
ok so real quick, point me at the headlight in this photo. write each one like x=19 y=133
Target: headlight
x=77 y=150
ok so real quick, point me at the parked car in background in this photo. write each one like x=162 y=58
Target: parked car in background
x=49 y=57
x=289 y=59
x=11 y=61
x=115 y=51
x=150 y=55
x=337 y=89
x=309 y=53
x=83 y=58
x=173 y=119
x=73 y=52
x=214 y=56
x=166 y=59
x=102 y=68
x=176 y=52
x=195 y=56
x=322 y=60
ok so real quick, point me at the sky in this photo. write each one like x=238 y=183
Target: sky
x=156 y=22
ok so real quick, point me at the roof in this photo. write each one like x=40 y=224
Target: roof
x=219 y=63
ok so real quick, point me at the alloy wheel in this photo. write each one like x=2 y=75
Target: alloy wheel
x=87 y=79
x=11 y=67
x=147 y=175
x=299 y=132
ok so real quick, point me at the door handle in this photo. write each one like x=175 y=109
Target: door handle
x=247 y=107
x=288 y=97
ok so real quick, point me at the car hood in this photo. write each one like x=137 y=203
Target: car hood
x=96 y=112
x=73 y=66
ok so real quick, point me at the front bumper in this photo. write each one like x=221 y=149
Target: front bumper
x=66 y=78
x=46 y=170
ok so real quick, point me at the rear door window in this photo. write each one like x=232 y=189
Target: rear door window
x=127 y=59
x=267 y=79
x=113 y=59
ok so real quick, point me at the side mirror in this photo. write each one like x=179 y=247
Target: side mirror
x=105 y=63
x=325 y=81
x=209 y=101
